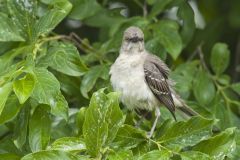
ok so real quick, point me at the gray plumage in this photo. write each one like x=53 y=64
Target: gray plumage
x=143 y=78
x=156 y=76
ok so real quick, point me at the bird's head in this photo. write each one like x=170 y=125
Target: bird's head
x=133 y=38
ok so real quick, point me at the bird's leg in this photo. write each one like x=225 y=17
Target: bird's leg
x=157 y=114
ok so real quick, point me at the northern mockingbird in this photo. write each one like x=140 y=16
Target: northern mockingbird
x=142 y=78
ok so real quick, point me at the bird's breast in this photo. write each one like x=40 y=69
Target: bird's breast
x=127 y=77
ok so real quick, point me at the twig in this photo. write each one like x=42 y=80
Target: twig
x=219 y=87
x=145 y=11
x=73 y=35
x=195 y=53
x=201 y=57
x=237 y=61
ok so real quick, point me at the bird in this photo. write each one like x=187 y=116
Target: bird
x=143 y=79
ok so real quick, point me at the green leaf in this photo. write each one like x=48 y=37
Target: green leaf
x=219 y=146
x=156 y=155
x=7 y=67
x=224 y=79
x=10 y=110
x=8 y=31
x=80 y=119
x=91 y=77
x=185 y=12
x=60 y=107
x=168 y=36
x=23 y=14
x=103 y=118
x=53 y=17
x=221 y=112
x=7 y=146
x=21 y=126
x=121 y=155
x=114 y=116
x=50 y=155
x=9 y=156
x=158 y=7
x=47 y=91
x=23 y=87
x=5 y=90
x=83 y=9
x=128 y=137
x=155 y=47
x=220 y=55
x=64 y=57
x=46 y=87
x=190 y=155
x=182 y=134
x=39 y=129
x=106 y=18
x=95 y=127
x=204 y=90
x=236 y=87
x=184 y=76
x=69 y=144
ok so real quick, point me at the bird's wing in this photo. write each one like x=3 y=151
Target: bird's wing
x=156 y=75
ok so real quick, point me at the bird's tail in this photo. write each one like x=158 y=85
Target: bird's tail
x=187 y=110
x=183 y=107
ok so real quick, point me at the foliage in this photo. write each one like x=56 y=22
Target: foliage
x=46 y=79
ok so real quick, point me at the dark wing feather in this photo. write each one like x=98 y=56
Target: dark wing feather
x=156 y=75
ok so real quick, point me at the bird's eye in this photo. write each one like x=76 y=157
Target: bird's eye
x=134 y=39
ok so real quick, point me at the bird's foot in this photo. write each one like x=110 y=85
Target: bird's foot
x=150 y=134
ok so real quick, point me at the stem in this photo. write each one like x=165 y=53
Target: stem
x=145 y=11
x=160 y=146
x=79 y=41
x=219 y=87
x=42 y=41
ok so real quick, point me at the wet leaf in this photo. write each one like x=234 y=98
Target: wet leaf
x=53 y=17
x=69 y=144
x=8 y=31
x=114 y=117
x=219 y=146
x=95 y=127
x=182 y=134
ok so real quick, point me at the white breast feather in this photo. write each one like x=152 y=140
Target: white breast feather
x=127 y=77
